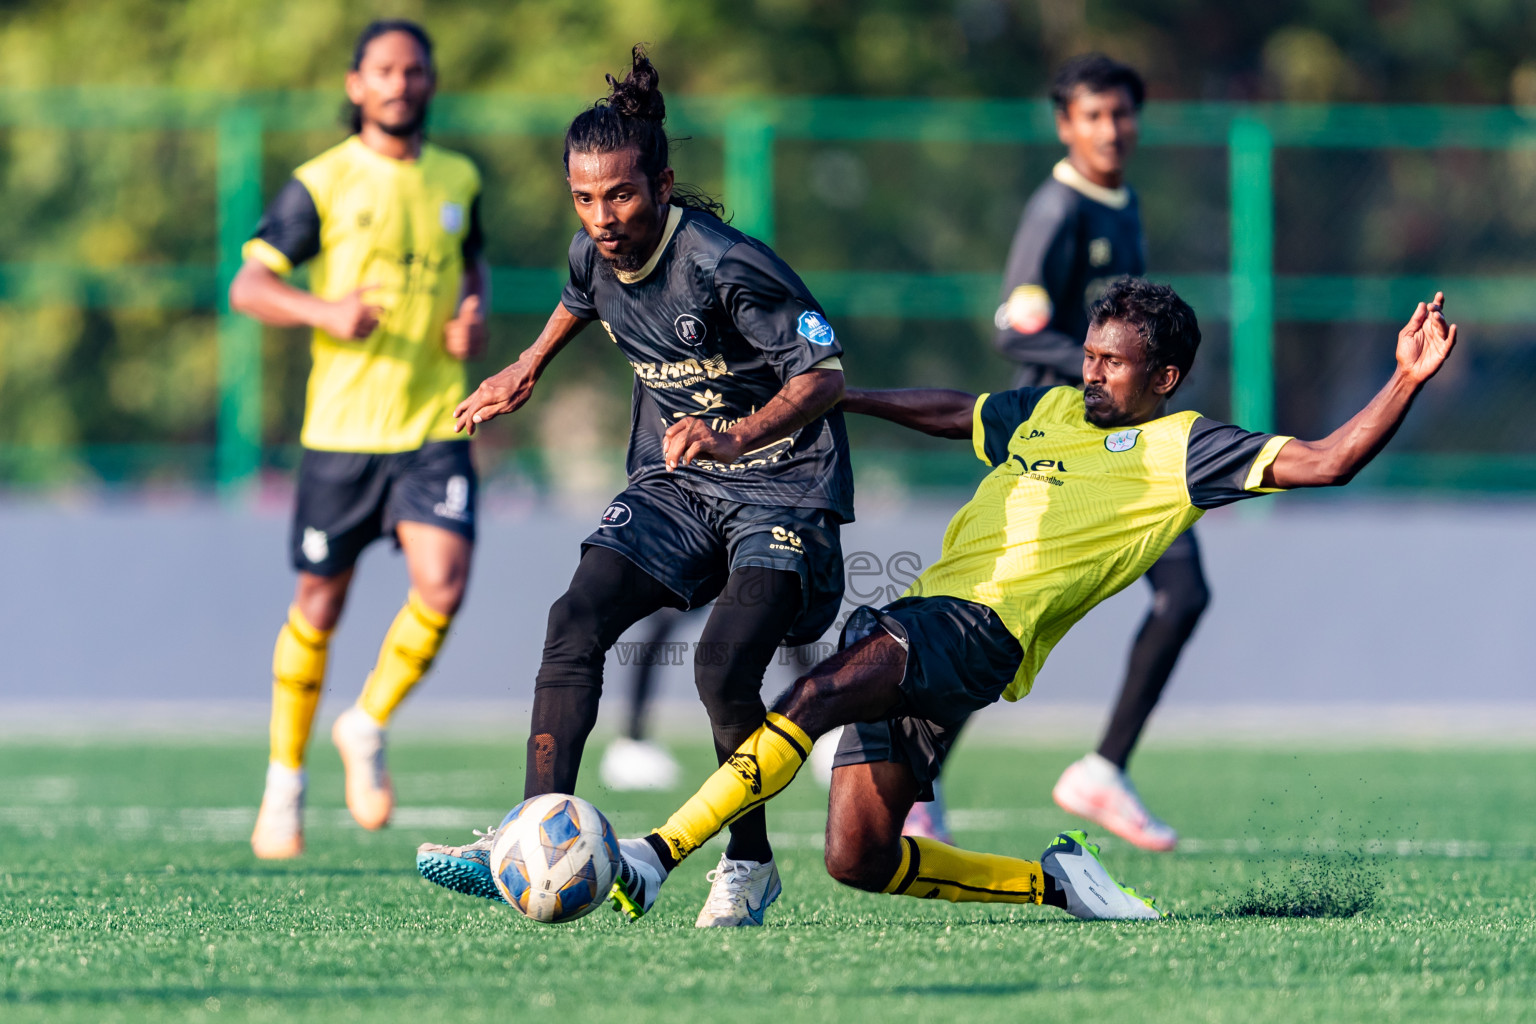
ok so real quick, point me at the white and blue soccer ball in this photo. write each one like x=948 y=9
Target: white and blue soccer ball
x=554 y=858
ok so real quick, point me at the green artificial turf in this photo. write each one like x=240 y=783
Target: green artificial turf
x=127 y=892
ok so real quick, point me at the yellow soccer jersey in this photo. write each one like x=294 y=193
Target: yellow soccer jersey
x=407 y=228
x=1073 y=513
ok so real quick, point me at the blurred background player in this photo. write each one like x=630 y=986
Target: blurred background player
x=739 y=476
x=389 y=224
x=634 y=761
x=1080 y=230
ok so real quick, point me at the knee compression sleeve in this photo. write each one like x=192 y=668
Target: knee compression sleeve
x=413 y=640
x=932 y=870
x=298 y=673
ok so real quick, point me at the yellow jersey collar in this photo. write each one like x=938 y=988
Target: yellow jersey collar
x=1114 y=198
x=390 y=162
x=674 y=218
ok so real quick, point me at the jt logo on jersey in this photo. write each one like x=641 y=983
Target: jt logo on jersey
x=690 y=329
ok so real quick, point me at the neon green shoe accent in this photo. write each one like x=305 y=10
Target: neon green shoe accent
x=1078 y=836
x=624 y=903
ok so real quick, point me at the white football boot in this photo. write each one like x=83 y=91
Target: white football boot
x=1073 y=863
x=279 y=832
x=360 y=740
x=630 y=765
x=465 y=869
x=637 y=880
x=1094 y=788
x=739 y=893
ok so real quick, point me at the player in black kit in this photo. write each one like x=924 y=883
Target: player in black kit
x=1081 y=230
x=739 y=476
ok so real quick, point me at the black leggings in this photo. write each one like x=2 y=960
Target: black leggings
x=608 y=594
x=1179 y=596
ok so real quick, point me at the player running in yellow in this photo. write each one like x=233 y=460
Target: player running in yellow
x=1088 y=489
x=389 y=226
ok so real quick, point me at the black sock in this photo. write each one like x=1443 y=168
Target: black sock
x=663 y=851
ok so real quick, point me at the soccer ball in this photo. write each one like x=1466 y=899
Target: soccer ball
x=554 y=858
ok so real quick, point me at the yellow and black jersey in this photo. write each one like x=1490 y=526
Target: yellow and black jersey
x=407 y=228
x=1073 y=513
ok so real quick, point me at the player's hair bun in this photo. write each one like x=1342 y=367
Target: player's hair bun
x=630 y=117
x=639 y=95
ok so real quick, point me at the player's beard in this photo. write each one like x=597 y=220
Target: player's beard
x=631 y=261
x=620 y=263
x=407 y=128
x=1106 y=415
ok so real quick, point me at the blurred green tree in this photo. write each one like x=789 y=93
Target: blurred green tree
x=89 y=375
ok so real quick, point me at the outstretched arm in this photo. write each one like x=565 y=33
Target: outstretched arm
x=937 y=411
x=802 y=398
x=508 y=390
x=1422 y=347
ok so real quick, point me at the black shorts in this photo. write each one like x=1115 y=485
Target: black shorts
x=960 y=658
x=692 y=542
x=348 y=500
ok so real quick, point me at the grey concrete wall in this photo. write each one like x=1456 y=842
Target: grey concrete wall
x=1316 y=602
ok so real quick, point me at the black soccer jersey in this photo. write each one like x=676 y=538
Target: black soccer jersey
x=714 y=325
x=1074 y=238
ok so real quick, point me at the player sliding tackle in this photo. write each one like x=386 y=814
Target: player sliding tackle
x=1088 y=489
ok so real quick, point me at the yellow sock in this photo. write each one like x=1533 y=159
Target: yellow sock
x=298 y=670
x=932 y=870
x=760 y=768
x=413 y=640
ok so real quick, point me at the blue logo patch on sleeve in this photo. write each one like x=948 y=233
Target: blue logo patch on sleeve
x=813 y=327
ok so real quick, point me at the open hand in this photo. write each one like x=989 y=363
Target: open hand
x=497 y=395
x=690 y=438
x=464 y=335
x=351 y=318
x=1425 y=341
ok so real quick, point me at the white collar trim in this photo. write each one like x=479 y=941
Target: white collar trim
x=1114 y=198
x=674 y=218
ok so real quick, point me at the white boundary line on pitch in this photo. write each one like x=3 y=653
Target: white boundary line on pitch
x=1036 y=722
x=234 y=824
